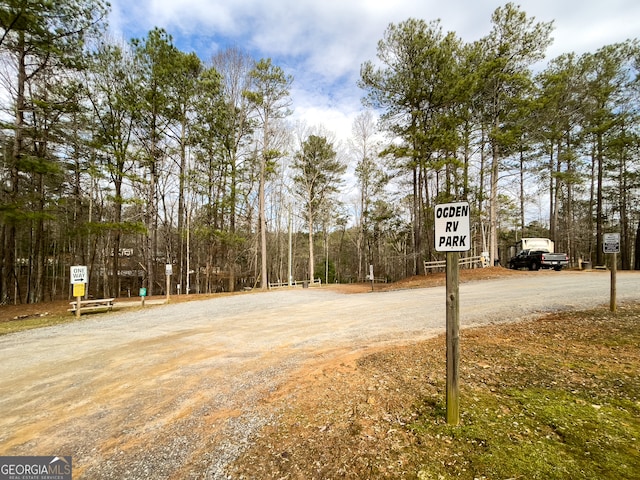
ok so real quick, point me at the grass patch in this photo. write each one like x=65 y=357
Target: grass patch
x=533 y=434
x=20 y=324
x=559 y=401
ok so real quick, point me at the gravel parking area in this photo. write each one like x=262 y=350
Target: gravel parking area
x=176 y=391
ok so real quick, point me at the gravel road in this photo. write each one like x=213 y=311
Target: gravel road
x=176 y=391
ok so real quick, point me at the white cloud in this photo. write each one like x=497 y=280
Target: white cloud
x=323 y=44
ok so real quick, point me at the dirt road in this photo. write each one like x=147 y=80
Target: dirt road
x=176 y=391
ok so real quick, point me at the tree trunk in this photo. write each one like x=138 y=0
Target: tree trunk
x=181 y=205
x=599 y=203
x=552 y=195
x=37 y=293
x=4 y=297
x=493 y=209
x=522 y=194
x=263 y=225
x=483 y=229
x=311 y=252
x=115 y=285
x=625 y=244
x=416 y=219
x=592 y=193
x=151 y=230
x=636 y=264
x=9 y=275
x=556 y=197
x=231 y=252
x=570 y=230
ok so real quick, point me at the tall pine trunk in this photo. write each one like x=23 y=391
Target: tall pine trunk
x=636 y=263
x=9 y=274
x=311 y=251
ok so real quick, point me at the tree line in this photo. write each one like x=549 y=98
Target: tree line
x=129 y=157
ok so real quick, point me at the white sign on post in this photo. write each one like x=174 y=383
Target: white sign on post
x=452 y=227
x=79 y=274
x=611 y=243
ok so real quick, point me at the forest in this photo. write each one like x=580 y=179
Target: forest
x=135 y=158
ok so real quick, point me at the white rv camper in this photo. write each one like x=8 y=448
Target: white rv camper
x=531 y=244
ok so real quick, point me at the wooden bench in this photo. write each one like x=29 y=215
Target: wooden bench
x=92 y=305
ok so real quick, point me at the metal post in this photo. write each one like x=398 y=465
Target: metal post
x=453 y=339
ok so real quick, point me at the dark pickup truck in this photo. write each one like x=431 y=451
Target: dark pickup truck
x=537 y=259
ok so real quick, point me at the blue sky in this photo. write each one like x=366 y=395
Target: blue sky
x=323 y=43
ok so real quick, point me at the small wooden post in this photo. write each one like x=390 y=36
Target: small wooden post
x=371 y=276
x=614 y=268
x=453 y=339
x=168 y=270
x=79 y=291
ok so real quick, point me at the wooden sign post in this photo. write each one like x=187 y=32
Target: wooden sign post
x=611 y=244
x=168 y=270
x=452 y=236
x=371 y=276
x=79 y=278
x=453 y=339
x=78 y=293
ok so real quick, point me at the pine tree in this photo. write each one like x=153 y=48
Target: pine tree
x=317 y=177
